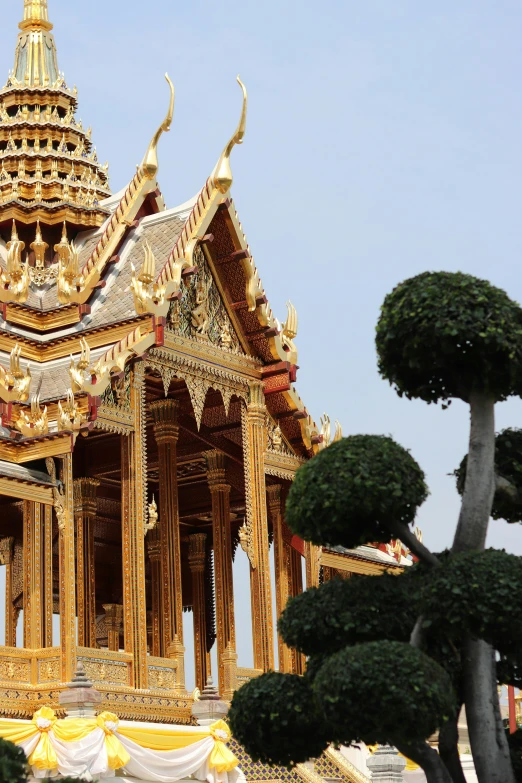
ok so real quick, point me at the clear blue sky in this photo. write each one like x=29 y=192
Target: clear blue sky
x=384 y=139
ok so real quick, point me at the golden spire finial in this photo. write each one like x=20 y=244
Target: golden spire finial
x=35 y=15
x=223 y=173
x=14 y=233
x=150 y=161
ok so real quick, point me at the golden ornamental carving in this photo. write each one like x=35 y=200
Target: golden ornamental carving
x=6 y=550
x=85 y=493
x=326 y=431
x=59 y=497
x=11 y=669
x=114 y=360
x=16 y=277
x=200 y=313
x=289 y=333
x=40 y=274
x=77 y=370
x=70 y=417
x=152 y=516
x=34 y=423
x=15 y=383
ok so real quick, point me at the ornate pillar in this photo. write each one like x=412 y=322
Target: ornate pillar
x=282 y=557
x=254 y=446
x=154 y=550
x=85 y=505
x=33 y=575
x=48 y=576
x=113 y=620
x=197 y=558
x=133 y=473
x=166 y=431
x=222 y=544
x=6 y=558
x=65 y=514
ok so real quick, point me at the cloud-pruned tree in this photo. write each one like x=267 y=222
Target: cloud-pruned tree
x=392 y=659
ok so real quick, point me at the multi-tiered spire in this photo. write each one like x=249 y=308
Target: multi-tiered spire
x=49 y=169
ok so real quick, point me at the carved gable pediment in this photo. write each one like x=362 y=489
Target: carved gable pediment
x=201 y=314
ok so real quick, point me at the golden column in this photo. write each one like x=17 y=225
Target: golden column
x=6 y=558
x=197 y=557
x=113 y=620
x=166 y=432
x=48 y=576
x=254 y=446
x=33 y=575
x=154 y=550
x=65 y=515
x=282 y=557
x=85 y=505
x=222 y=544
x=134 y=476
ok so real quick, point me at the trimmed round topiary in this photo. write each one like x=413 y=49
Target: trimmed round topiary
x=477 y=594
x=13 y=763
x=447 y=334
x=341 y=613
x=384 y=692
x=275 y=718
x=352 y=492
x=508 y=465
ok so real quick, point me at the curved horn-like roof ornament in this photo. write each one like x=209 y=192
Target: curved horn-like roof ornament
x=150 y=161
x=222 y=175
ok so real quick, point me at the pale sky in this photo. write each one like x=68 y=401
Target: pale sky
x=383 y=140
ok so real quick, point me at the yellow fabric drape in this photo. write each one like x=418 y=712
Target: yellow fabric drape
x=44 y=756
x=162 y=739
x=17 y=731
x=117 y=756
x=221 y=757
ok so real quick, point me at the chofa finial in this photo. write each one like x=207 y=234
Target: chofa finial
x=150 y=161
x=222 y=175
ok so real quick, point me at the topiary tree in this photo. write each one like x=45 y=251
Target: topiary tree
x=507 y=501
x=440 y=336
x=13 y=763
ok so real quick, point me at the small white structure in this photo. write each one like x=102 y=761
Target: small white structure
x=386 y=766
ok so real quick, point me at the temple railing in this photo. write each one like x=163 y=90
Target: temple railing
x=245 y=675
x=106 y=668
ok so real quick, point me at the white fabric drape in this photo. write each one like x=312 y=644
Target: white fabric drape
x=87 y=759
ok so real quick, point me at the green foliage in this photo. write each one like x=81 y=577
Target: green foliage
x=508 y=464
x=383 y=692
x=477 y=594
x=64 y=780
x=515 y=750
x=445 y=334
x=275 y=719
x=341 y=613
x=13 y=763
x=350 y=493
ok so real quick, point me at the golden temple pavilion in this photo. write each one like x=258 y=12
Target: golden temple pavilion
x=150 y=424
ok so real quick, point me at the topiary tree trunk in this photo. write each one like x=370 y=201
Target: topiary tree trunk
x=486 y=731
